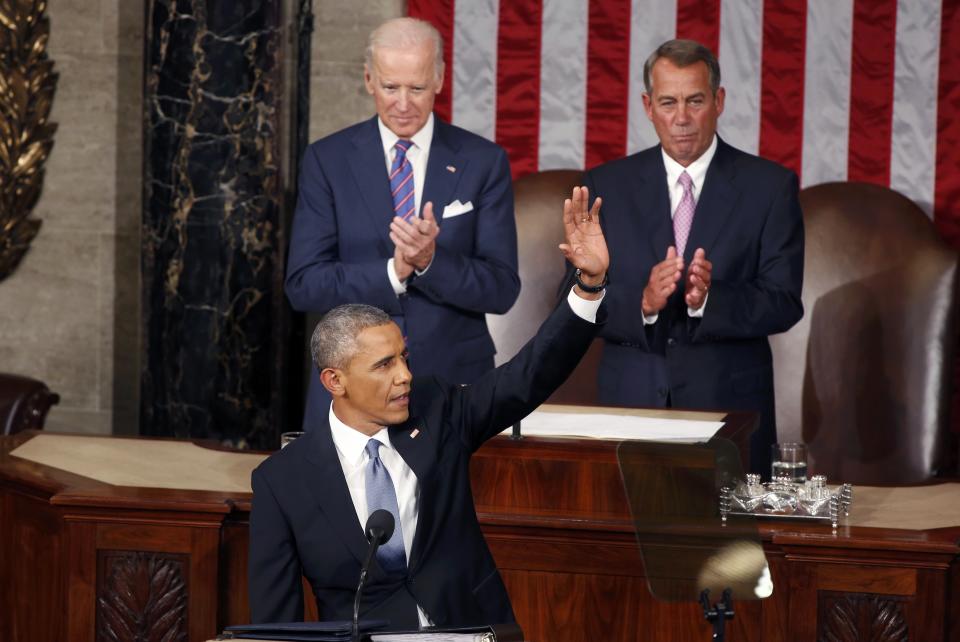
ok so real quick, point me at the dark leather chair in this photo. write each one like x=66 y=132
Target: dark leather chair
x=865 y=379
x=24 y=403
x=538 y=202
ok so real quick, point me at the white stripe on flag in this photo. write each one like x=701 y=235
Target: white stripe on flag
x=914 y=139
x=651 y=24
x=827 y=82
x=474 y=73
x=741 y=47
x=563 y=84
x=826 y=95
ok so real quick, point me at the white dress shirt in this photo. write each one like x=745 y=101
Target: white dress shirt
x=697 y=170
x=417 y=155
x=351 y=450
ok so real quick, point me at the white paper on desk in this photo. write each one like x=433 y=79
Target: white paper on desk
x=617 y=427
x=429 y=636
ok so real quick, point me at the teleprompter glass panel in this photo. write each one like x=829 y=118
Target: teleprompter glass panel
x=674 y=491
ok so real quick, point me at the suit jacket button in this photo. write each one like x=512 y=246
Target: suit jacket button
x=671 y=342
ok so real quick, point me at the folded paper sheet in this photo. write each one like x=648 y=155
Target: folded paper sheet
x=621 y=423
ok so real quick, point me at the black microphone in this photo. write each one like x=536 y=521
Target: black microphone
x=379 y=530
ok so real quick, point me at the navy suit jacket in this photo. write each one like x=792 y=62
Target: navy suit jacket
x=340 y=245
x=303 y=519
x=748 y=220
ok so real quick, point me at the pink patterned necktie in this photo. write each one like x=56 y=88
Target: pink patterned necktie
x=683 y=217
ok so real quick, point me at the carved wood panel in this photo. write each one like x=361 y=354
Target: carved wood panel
x=141 y=597
x=861 y=617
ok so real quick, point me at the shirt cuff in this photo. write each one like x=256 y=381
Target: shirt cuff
x=586 y=310
x=399 y=287
x=698 y=314
x=650 y=320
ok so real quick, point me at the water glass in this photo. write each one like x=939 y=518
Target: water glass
x=789 y=460
x=287 y=437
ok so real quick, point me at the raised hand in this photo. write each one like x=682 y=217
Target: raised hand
x=585 y=247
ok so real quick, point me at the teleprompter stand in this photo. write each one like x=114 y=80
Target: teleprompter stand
x=688 y=552
x=719 y=613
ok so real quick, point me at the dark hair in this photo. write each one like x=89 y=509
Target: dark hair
x=334 y=340
x=683 y=53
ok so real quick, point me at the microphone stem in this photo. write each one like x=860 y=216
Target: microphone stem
x=371 y=551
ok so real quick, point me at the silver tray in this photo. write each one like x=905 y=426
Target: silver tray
x=784 y=498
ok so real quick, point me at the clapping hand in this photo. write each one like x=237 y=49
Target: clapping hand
x=416 y=240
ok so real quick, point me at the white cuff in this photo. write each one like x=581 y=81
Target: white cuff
x=650 y=320
x=399 y=287
x=583 y=308
x=698 y=314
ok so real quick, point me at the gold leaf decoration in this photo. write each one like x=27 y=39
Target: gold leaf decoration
x=27 y=83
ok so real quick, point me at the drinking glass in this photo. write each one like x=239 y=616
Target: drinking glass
x=287 y=437
x=789 y=460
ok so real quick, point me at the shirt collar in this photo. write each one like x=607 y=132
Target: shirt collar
x=697 y=169
x=351 y=443
x=421 y=139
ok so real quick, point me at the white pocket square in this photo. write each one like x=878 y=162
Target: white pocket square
x=457 y=208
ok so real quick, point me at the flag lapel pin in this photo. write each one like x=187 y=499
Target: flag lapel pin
x=451 y=169
x=414 y=433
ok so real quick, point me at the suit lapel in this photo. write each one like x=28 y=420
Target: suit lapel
x=715 y=204
x=370 y=172
x=653 y=199
x=440 y=183
x=325 y=480
x=415 y=445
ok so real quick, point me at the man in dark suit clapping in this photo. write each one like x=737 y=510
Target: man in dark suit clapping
x=409 y=214
x=707 y=249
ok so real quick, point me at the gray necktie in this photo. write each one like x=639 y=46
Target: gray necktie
x=381 y=494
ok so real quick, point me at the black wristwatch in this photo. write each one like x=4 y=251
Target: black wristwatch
x=592 y=289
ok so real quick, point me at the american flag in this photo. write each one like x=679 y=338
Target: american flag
x=863 y=90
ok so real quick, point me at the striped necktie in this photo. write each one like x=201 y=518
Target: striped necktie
x=401 y=181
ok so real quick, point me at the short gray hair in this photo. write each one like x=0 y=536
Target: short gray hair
x=334 y=340
x=683 y=53
x=405 y=33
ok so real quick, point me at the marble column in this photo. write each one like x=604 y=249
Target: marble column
x=219 y=147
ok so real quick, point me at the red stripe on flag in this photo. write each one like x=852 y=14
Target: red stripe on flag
x=871 y=90
x=781 y=78
x=518 y=83
x=947 y=191
x=700 y=20
x=608 y=71
x=439 y=13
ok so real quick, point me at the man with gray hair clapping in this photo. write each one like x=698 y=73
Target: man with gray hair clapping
x=409 y=214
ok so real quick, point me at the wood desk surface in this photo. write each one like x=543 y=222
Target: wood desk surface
x=130 y=465
x=75 y=531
